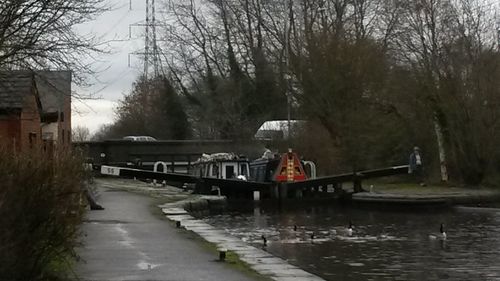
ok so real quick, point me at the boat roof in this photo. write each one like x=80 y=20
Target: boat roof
x=220 y=157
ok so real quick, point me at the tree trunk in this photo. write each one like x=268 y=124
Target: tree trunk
x=442 y=153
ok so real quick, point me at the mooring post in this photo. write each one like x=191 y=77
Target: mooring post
x=222 y=254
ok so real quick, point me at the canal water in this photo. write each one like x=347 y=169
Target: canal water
x=388 y=244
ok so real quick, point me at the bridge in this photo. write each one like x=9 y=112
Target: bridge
x=177 y=154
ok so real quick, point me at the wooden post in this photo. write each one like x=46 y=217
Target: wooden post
x=222 y=254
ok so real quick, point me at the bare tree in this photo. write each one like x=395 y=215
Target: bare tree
x=40 y=34
x=443 y=42
x=152 y=108
x=377 y=76
x=338 y=58
x=80 y=133
x=221 y=64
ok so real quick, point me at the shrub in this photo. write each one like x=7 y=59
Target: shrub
x=40 y=213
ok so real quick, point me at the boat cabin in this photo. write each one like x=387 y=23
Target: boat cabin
x=262 y=170
x=281 y=168
x=286 y=167
x=222 y=166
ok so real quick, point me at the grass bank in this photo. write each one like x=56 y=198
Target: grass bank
x=413 y=188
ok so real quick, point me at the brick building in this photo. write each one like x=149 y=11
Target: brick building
x=35 y=107
x=20 y=108
x=54 y=88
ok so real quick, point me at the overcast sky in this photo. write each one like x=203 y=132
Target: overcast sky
x=114 y=77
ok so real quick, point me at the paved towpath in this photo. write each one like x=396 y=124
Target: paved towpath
x=126 y=242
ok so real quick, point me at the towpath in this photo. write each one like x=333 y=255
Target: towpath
x=127 y=242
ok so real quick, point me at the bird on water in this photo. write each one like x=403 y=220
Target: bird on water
x=264 y=240
x=440 y=235
x=349 y=229
x=343 y=231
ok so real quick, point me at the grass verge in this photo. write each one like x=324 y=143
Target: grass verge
x=232 y=259
x=413 y=188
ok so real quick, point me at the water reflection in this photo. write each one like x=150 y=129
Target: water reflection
x=384 y=245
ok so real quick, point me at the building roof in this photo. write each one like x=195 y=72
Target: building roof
x=52 y=86
x=14 y=87
x=277 y=129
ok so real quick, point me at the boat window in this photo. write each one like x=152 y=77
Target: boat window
x=230 y=172
x=253 y=172
x=262 y=173
x=197 y=170
x=244 y=169
x=215 y=170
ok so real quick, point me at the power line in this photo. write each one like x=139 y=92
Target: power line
x=151 y=57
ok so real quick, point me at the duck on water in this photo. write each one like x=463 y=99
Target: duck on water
x=440 y=235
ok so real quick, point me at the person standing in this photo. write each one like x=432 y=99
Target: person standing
x=416 y=166
x=268 y=154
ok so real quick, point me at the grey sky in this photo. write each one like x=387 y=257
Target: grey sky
x=114 y=77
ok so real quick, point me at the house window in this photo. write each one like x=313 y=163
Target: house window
x=48 y=136
x=62 y=139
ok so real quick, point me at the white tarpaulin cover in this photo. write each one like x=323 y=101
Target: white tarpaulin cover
x=217 y=156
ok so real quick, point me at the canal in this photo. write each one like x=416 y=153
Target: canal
x=387 y=244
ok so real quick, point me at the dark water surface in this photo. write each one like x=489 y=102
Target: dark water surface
x=385 y=245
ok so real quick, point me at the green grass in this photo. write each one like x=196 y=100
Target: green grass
x=232 y=259
x=413 y=188
x=61 y=268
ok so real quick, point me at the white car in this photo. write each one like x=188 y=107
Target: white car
x=139 y=138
